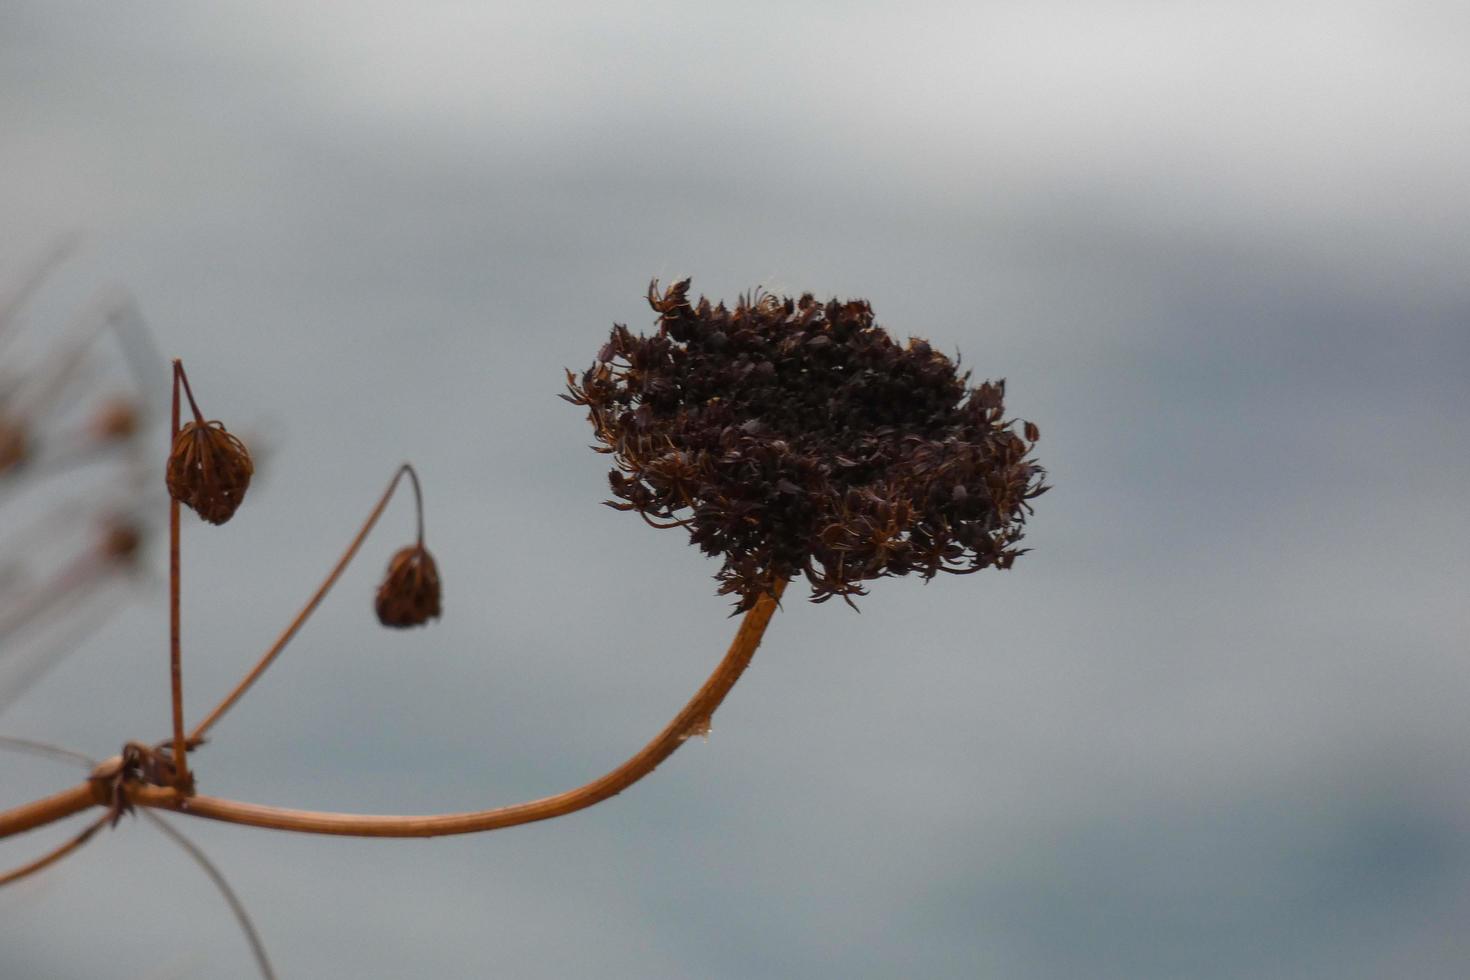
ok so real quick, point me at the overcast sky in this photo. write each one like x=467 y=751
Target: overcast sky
x=1212 y=726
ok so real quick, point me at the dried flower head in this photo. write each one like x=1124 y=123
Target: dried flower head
x=409 y=595
x=797 y=437
x=14 y=443
x=209 y=470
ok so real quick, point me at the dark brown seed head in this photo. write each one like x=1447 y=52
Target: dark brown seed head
x=795 y=437
x=409 y=595
x=209 y=470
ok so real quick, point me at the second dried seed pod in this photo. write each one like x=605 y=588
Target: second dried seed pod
x=409 y=595
x=209 y=470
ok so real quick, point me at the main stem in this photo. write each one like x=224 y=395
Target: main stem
x=692 y=719
x=175 y=657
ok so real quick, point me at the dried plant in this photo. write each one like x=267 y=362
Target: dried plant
x=789 y=437
x=64 y=544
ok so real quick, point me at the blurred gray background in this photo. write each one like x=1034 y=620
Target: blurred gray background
x=1213 y=726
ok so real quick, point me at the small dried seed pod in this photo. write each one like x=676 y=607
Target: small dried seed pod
x=115 y=420
x=209 y=470
x=14 y=445
x=119 y=541
x=409 y=595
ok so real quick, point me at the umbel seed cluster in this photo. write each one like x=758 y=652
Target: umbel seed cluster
x=797 y=437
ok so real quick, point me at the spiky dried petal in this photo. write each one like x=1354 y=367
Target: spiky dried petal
x=409 y=595
x=209 y=470
x=794 y=437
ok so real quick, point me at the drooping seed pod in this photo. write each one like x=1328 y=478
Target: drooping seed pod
x=209 y=470
x=119 y=541
x=409 y=595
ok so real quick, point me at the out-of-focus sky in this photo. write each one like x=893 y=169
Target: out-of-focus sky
x=1213 y=726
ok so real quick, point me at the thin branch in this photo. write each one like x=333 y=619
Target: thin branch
x=50 y=809
x=180 y=375
x=48 y=751
x=175 y=658
x=51 y=857
x=418 y=500
x=693 y=719
x=321 y=593
x=236 y=906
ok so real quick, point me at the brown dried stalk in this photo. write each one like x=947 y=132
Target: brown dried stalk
x=49 y=809
x=175 y=655
x=209 y=470
x=237 y=908
x=197 y=735
x=694 y=716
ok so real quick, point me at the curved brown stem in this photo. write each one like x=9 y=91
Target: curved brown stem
x=175 y=655
x=692 y=719
x=197 y=735
x=50 y=809
x=237 y=907
x=181 y=375
x=418 y=499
